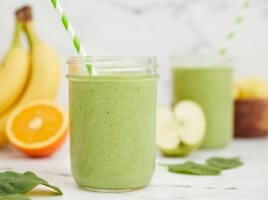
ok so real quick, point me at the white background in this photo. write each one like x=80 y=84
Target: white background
x=149 y=27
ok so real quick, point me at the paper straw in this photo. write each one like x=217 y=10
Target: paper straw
x=69 y=28
x=237 y=25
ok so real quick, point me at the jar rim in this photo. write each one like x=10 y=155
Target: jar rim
x=113 y=65
x=89 y=59
x=200 y=60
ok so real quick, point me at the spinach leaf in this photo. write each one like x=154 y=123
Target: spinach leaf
x=194 y=169
x=224 y=163
x=14 y=197
x=17 y=183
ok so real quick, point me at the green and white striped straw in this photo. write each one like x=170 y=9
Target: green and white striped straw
x=237 y=25
x=69 y=28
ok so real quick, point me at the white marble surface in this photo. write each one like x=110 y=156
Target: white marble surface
x=161 y=28
x=149 y=27
x=249 y=182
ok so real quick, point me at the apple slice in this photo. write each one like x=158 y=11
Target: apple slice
x=167 y=134
x=191 y=121
x=182 y=131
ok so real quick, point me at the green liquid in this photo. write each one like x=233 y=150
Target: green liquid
x=112 y=131
x=211 y=87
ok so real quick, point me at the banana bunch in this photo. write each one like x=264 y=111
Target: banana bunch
x=26 y=76
x=250 y=88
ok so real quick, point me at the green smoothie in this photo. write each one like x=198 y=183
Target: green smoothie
x=112 y=130
x=211 y=87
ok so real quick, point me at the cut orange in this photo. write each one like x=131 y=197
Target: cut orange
x=38 y=128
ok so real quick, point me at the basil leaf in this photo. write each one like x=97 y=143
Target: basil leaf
x=194 y=169
x=224 y=163
x=17 y=183
x=14 y=197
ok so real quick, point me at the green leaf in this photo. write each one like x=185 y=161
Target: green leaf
x=17 y=183
x=194 y=169
x=224 y=163
x=14 y=197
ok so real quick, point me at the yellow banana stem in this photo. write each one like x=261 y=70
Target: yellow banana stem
x=16 y=37
x=31 y=34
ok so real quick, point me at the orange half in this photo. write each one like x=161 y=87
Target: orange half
x=38 y=128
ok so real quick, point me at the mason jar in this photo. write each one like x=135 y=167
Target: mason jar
x=112 y=121
x=207 y=80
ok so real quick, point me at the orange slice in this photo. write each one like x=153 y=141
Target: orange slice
x=38 y=128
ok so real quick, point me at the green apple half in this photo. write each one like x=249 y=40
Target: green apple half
x=182 y=131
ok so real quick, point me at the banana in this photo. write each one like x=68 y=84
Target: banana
x=46 y=69
x=45 y=75
x=14 y=72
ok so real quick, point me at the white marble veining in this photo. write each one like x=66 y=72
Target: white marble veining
x=249 y=182
x=150 y=27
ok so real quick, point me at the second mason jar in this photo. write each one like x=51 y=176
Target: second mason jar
x=207 y=80
x=112 y=116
